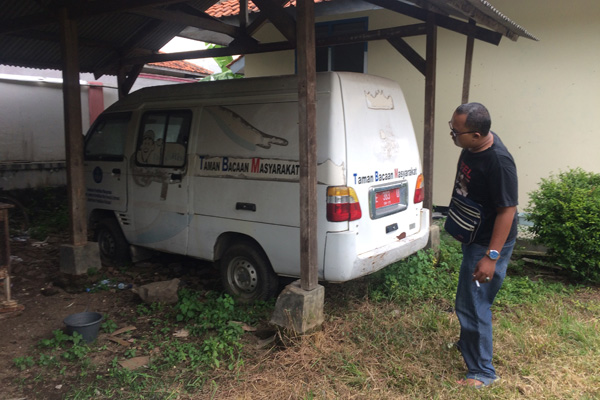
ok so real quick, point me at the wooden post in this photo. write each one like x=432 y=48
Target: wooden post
x=430 y=71
x=307 y=77
x=121 y=77
x=243 y=16
x=73 y=129
x=468 y=65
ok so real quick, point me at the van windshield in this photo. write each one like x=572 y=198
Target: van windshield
x=106 y=139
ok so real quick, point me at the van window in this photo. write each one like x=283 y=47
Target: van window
x=163 y=138
x=106 y=140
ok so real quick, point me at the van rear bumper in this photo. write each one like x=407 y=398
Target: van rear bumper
x=342 y=264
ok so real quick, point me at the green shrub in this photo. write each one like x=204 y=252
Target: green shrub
x=565 y=212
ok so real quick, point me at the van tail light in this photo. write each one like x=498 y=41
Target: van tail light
x=342 y=204
x=419 y=190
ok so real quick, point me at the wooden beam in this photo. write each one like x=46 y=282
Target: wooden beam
x=175 y=17
x=121 y=77
x=129 y=80
x=452 y=24
x=243 y=15
x=217 y=52
x=429 y=117
x=112 y=63
x=260 y=20
x=279 y=18
x=409 y=53
x=379 y=34
x=307 y=104
x=475 y=10
x=468 y=66
x=428 y=5
x=73 y=130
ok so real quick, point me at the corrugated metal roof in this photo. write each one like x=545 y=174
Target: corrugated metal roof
x=30 y=34
x=112 y=30
x=464 y=9
x=476 y=9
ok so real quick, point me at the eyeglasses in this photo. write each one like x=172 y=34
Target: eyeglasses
x=455 y=133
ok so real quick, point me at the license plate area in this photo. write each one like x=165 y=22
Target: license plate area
x=388 y=199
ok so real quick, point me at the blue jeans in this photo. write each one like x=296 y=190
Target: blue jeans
x=473 y=308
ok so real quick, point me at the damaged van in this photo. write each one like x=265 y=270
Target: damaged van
x=210 y=170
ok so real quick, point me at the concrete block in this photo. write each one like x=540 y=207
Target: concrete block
x=159 y=292
x=77 y=260
x=434 y=239
x=299 y=310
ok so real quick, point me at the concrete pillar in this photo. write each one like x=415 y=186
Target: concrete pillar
x=79 y=259
x=299 y=310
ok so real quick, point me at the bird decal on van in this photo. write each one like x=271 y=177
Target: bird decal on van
x=241 y=131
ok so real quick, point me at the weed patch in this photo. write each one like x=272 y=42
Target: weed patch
x=420 y=277
x=387 y=336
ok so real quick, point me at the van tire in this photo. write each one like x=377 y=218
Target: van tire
x=114 y=249
x=247 y=274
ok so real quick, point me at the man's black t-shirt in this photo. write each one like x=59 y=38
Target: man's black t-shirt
x=490 y=179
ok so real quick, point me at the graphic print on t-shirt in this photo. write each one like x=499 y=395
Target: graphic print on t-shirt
x=463 y=178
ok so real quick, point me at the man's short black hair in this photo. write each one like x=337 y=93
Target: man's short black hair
x=478 y=117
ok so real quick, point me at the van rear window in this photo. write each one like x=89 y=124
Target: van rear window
x=106 y=139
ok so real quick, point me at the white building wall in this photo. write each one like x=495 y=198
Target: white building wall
x=28 y=125
x=32 y=140
x=543 y=96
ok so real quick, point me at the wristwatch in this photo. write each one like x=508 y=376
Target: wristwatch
x=493 y=254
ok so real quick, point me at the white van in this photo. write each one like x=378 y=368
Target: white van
x=210 y=170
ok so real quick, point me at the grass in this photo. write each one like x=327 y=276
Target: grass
x=386 y=336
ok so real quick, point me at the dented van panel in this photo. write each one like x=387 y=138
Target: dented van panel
x=204 y=167
x=328 y=173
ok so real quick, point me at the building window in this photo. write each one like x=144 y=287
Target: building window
x=347 y=57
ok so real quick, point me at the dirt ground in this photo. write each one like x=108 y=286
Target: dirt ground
x=49 y=297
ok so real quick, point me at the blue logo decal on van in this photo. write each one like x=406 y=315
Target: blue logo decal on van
x=97 y=174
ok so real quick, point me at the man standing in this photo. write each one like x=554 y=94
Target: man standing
x=486 y=175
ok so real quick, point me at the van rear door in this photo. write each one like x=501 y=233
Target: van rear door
x=383 y=160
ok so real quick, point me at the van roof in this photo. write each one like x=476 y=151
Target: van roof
x=208 y=90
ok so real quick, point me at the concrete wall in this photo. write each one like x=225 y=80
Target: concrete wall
x=543 y=96
x=32 y=140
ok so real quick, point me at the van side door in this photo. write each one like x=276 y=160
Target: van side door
x=158 y=185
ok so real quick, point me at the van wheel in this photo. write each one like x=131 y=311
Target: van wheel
x=247 y=273
x=114 y=249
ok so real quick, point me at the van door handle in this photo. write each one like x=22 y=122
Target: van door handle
x=116 y=171
x=245 y=206
x=175 y=178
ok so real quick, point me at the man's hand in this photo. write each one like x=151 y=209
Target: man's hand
x=486 y=266
x=485 y=269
